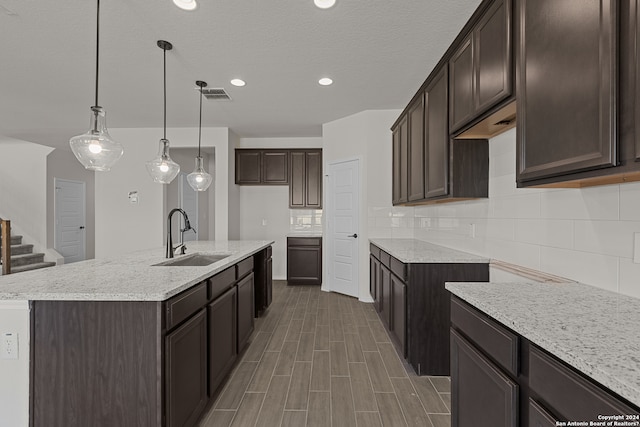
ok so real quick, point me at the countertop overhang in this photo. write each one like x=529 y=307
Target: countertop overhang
x=593 y=330
x=417 y=252
x=129 y=277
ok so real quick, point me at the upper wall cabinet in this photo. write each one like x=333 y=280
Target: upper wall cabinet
x=436 y=137
x=567 y=94
x=481 y=67
x=305 y=179
x=400 y=162
x=262 y=167
x=416 y=160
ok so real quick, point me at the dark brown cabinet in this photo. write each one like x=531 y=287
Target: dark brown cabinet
x=186 y=371
x=223 y=339
x=263 y=278
x=567 y=90
x=413 y=305
x=520 y=384
x=304 y=260
x=262 y=167
x=436 y=137
x=472 y=376
x=481 y=66
x=305 y=180
x=400 y=162
x=245 y=310
x=416 y=151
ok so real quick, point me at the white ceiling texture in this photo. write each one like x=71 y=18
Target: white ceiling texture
x=378 y=52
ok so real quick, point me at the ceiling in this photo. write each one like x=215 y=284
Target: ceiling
x=377 y=52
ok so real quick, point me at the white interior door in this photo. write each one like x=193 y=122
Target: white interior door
x=189 y=204
x=342 y=226
x=69 y=220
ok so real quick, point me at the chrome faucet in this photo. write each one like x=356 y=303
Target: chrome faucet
x=187 y=226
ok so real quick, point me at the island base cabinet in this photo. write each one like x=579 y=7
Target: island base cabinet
x=186 y=376
x=245 y=311
x=482 y=396
x=223 y=340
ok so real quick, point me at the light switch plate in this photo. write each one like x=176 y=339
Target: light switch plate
x=636 y=248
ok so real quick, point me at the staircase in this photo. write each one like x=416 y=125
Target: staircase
x=23 y=258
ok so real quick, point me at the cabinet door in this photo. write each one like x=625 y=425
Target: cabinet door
x=461 y=85
x=404 y=161
x=472 y=375
x=399 y=313
x=384 y=306
x=567 y=86
x=437 y=137
x=269 y=284
x=373 y=276
x=416 y=150
x=396 y=178
x=313 y=180
x=275 y=167
x=223 y=338
x=186 y=371
x=297 y=181
x=304 y=265
x=248 y=167
x=538 y=417
x=245 y=310
x=492 y=56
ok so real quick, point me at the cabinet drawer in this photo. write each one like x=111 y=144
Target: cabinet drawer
x=221 y=282
x=398 y=268
x=499 y=343
x=385 y=259
x=185 y=304
x=304 y=241
x=568 y=394
x=244 y=267
x=374 y=250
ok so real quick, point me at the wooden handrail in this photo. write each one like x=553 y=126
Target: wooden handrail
x=5 y=254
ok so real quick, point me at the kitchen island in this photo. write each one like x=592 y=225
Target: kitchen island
x=543 y=353
x=124 y=341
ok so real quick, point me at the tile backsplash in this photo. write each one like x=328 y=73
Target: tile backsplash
x=305 y=220
x=581 y=234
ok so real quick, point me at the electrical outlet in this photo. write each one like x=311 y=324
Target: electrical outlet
x=264 y=222
x=9 y=345
x=472 y=231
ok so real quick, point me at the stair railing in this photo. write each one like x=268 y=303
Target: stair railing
x=5 y=254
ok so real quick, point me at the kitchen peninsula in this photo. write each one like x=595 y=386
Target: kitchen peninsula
x=125 y=341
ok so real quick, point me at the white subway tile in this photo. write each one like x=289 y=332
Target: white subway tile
x=586 y=203
x=593 y=269
x=630 y=201
x=503 y=143
x=502 y=165
x=549 y=232
x=514 y=252
x=524 y=206
x=613 y=238
x=495 y=228
x=504 y=185
x=629 y=278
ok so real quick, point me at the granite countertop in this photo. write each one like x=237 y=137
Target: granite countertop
x=591 y=329
x=129 y=277
x=417 y=251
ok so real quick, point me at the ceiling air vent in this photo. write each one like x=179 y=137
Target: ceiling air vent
x=217 y=94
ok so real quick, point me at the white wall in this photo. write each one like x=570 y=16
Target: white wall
x=23 y=189
x=234 y=190
x=124 y=227
x=271 y=203
x=366 y=136
x=581 y=234
x=14 y=386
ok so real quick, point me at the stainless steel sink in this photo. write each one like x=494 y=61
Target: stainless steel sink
x=194 y=260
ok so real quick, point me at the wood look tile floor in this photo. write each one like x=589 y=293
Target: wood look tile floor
x=324 y=359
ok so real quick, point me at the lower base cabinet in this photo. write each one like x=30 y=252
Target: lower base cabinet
x=500 y=379
x=186 y=371
x=304 y=260
x=245 y=311
x=223 y=339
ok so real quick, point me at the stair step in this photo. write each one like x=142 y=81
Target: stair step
x=20 y=260
x=29 y=267
x=15 y=240
x=21 y=249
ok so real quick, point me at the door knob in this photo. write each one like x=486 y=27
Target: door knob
x=354 y=235
x=82 y=227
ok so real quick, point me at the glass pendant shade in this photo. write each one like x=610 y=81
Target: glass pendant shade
x=95 y=149
x=162 y=169
x=199 y=180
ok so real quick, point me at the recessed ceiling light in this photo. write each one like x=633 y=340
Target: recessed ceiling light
x=186 y=4
x=238 y=82
x=324 y=4
x=325 y=81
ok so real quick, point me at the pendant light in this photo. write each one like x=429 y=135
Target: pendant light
x=163 y=169
x=95 y=149
x=199 y=180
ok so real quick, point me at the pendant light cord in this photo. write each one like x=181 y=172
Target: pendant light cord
x=97 y=51
x=200 y=125
x=164 y=56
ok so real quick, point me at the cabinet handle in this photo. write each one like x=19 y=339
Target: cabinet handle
x=354 y=235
